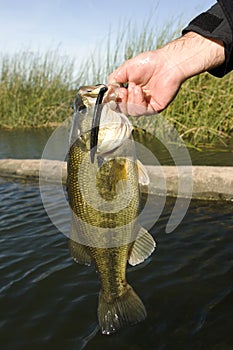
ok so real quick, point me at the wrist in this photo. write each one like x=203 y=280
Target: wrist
x=193 y=54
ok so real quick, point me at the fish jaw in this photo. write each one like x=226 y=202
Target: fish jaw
x=114 y=127
x=84 y=106
x=87 y=95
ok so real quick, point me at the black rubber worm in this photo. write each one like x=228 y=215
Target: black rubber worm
x=96 y=122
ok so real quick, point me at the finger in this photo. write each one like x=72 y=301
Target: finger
x=111 y=93
x=140 y=101
x=112 y=96
x=120 y=75
x=131 y=99
x=121 y=100
x=137 y=104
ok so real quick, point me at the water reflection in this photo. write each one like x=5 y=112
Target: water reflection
x=23 y=143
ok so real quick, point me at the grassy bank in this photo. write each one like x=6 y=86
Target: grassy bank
x=38 y=89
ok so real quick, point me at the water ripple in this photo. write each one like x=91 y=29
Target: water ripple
x=51 y=303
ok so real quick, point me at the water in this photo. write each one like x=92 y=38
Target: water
x=22 y=143
x=49 y=302
x=30 y=144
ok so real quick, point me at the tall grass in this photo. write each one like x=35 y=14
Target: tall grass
x=129 y=41
x=38 y=89
x=203 y=109
x=34 y=88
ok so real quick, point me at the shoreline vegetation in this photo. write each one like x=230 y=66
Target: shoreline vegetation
x=38 y=89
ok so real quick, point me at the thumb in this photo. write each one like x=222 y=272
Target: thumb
x=119 y=75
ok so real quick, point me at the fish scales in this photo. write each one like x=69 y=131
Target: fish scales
x=104 y=228
x=106 y=183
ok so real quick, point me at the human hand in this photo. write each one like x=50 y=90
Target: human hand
x=152 y=83
x=154 y=77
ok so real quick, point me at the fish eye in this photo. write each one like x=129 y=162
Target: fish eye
x=78 y=104
x=81 y=108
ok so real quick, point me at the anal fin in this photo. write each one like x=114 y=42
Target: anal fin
x=142 y=248
x=77 y=251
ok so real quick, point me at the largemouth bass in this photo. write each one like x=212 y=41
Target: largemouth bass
x=104 y=195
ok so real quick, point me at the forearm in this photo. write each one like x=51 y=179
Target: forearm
x=155 y=76
x=193 y=54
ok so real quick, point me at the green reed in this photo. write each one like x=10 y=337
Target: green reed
x=38 y=89
x=34 y=88
x=202 y=111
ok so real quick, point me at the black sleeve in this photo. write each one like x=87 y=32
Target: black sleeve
x=217 y=23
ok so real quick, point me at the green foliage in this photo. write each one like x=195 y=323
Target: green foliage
x=38 y=89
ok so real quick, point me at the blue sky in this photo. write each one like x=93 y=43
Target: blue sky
x=77 y=26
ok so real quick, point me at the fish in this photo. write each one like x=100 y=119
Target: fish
x=103 y=192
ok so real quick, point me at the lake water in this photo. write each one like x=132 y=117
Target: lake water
x=49 y=302
x=30 y=144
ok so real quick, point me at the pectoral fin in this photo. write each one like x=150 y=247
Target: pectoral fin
x=143 y=176
x=142 y=248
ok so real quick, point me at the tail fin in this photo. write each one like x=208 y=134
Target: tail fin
x=122 y=311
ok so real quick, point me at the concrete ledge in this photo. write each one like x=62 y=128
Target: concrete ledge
x=29 y=169
x=209 y=182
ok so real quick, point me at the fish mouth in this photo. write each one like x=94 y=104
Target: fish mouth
x=96 y=122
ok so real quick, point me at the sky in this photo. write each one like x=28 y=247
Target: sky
x=77 y=26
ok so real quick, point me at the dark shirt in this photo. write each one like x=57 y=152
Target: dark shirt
x=217 y=23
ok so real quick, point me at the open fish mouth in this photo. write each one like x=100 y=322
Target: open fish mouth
x=96 y=123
